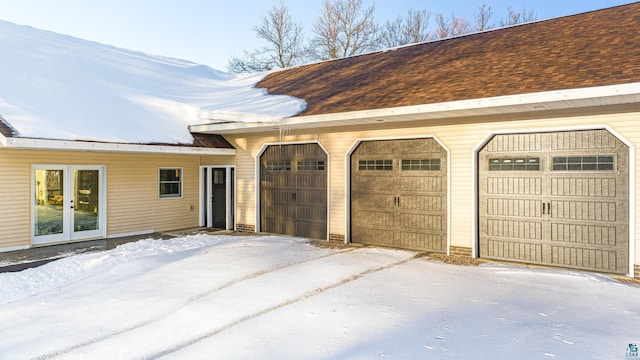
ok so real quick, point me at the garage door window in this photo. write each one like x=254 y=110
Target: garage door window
x=583 y=163
x=423 y=165
x=514 y=164
x=278 y=165
x=310 y=166
x=378 y=165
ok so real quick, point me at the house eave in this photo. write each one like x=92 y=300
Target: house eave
x=69 y=145
x=500 y=105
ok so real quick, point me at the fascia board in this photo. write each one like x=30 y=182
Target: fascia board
x=561 y=99
x=68 y=145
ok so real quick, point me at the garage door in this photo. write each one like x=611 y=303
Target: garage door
x=293 y=190
x=556 y=199
x=399 y=194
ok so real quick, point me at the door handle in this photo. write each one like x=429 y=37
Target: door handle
x=294 y=197
x=544 y=206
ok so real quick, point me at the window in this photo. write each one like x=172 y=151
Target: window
x=424 y=164
x=514 y=164
x=375 y=165
x=317 y=165
x=583 y=163
x=278 y=165
x=170 y=182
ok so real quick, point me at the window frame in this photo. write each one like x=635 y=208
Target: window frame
x=180 y=183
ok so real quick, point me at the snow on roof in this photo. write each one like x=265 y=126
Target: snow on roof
x=56 y=86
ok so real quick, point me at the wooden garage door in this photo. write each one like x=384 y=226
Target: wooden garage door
x=293 y=190
x=556 y=199
x=399 y=194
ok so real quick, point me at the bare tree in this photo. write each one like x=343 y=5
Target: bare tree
x=448 y=27
x=285 y=43
x=409 y=30
x=482 y=17
x=518 y=17
x=344 y=28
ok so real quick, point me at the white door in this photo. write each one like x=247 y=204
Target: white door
x=68 y=203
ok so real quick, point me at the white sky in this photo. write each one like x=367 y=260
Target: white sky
x=211 y=31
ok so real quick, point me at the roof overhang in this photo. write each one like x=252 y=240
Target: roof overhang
x=69 y=145
x=500 y=105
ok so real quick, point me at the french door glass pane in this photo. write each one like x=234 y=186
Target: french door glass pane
x=49 y=197
x=86 y=205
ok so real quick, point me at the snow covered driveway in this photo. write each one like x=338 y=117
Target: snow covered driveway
x=229 y=297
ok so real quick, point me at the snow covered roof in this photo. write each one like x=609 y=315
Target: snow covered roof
x=59 y=87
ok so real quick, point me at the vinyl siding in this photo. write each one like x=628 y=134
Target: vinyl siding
x=133 y=204
x=460 y=137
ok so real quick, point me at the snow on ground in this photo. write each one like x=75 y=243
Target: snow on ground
x=267 y=297
x=59 y=87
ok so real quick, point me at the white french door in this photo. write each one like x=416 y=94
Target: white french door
x=68 y=203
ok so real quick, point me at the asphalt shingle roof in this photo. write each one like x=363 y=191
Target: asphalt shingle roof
x=591 y=49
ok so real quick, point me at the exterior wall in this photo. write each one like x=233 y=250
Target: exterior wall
x=133 y=204
x=460 y=136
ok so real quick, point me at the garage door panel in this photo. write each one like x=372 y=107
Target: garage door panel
x=514 y=185
x=591 y=259
x=584 y=234
x=373 y=183
x=422 y=240
x=420 y=221
x=591 y=187
x=521 y=229
x=583 y=210
x=530 y=208
x=293 y=190
x=374 y=219
x=398 y=194
x=571 y=208
x=423 y=203
x=530 y=252
x=422 y=184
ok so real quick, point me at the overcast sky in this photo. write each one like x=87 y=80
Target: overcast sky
x=211 y=31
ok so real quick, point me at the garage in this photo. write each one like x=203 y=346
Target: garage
x=399 y=194
x=293 y=190
x=556 y=198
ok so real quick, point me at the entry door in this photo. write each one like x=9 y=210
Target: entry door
x=556 y=199
x=218 y=201
x=68 y=203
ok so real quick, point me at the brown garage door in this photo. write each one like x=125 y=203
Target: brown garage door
x=556 y=199
x=399 y=194
x=293 y=190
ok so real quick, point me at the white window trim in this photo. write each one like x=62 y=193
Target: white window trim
x=161 y=196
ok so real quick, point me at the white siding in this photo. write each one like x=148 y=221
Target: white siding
x=461 y=137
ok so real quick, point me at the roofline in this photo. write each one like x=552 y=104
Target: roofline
x=71 y=145
x=499 y=105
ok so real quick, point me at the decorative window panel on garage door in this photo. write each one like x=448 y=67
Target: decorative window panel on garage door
x=399 y=194
x=556 y=199
x=293 y=190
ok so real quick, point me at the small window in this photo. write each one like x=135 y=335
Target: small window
x=170 y=182
x=317 y=165
x=423 y=164
x=514 y=164
x=375 y=165
x=583 y=163
x=278 y=165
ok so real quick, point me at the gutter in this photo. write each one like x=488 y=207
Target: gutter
x=69 y=145
x=499 y=105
